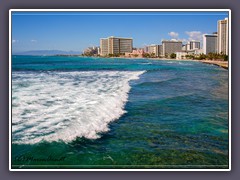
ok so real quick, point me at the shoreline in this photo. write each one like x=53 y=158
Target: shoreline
x=157 y=59
x=222 y=64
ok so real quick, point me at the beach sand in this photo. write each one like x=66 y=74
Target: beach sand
x=223 y=64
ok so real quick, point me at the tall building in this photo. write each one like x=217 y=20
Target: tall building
x=192 y=45
x=172 y=46
x=210 y=43
x=160 y=50
x=145 y=49
x=188 y=46
x=115 y=45
x=103 y=46
x=156 y=49
x=223 y=36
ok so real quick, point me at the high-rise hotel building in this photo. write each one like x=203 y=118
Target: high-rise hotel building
x=115 y=45
x=209 y=43
x=172 y=46
x=223 y=36
x=192 y=45
x=156 y=49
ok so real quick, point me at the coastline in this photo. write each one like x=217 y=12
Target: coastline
x=161 y=59
x=222 y=64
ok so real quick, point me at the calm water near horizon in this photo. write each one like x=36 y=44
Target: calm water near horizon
x=76 y=112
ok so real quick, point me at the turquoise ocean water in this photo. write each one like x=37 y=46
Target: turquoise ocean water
x=75 y=112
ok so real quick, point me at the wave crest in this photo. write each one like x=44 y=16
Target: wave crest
x=52 y=106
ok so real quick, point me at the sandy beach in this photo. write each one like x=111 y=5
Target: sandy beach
x=223 y=64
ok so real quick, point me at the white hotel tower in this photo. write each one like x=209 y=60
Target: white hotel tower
x=223 y=36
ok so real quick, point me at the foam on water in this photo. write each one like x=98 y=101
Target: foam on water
x=54 y=106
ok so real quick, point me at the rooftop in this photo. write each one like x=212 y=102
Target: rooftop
x=119 y=37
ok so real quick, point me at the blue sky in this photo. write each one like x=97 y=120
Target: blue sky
x=78 y=30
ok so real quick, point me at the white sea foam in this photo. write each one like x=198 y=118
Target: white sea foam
x=145 y=63
x=54 y=106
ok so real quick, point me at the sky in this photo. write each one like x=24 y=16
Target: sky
x=75 y=31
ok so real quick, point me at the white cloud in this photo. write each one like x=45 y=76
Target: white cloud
x=183 y=40
x=14 y=41
x=33 y=41
x=173 y=34
x=194 y=35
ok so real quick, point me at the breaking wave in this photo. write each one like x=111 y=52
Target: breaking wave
x=53 y=106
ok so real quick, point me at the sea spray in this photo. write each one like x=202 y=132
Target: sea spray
x=52 y=106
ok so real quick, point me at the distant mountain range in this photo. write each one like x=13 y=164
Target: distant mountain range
x=47 y=53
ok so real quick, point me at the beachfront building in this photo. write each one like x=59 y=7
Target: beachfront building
x=154 y=49
x=184 y=47
x=137 y=53
x=104 y=46
x=184 y=54
x=145 y=49
x=210 y=43
x=115 y=45
x=198 y=51
x=181 y=55
x=91 y=51
x=98 y=51
x=171 y=46
x=223 y=36
x=192 y=45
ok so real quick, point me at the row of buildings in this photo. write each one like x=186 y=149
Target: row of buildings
x=217 y=42
x=212 y=43
x=118 y=45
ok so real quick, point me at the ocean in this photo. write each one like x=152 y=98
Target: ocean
x=102 y=113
